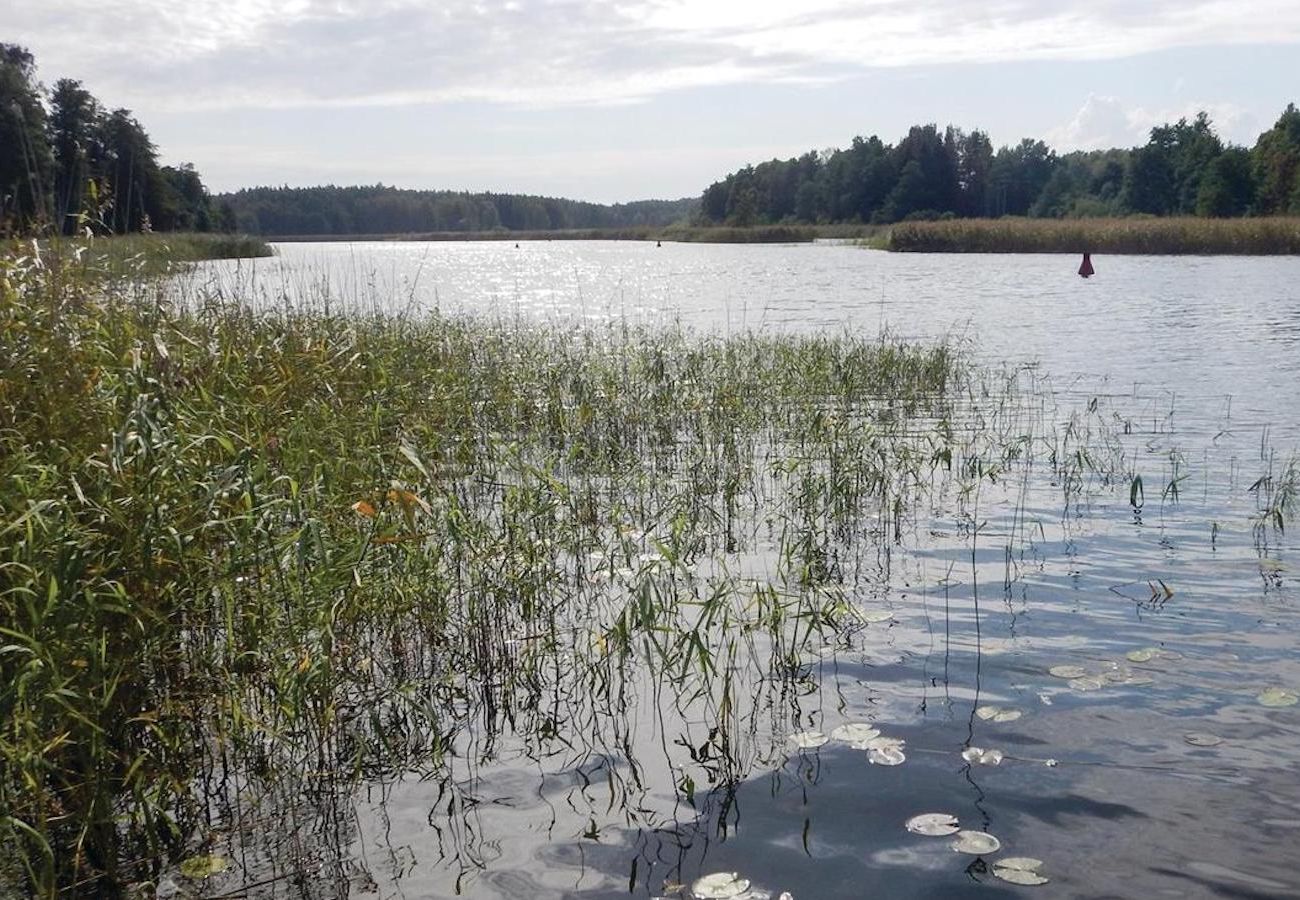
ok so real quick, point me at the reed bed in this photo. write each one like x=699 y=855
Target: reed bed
x=1254 y=236
x=241 y=544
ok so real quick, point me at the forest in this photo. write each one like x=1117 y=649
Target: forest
x=67 y=164
x=378 y=209
x=1184 y=169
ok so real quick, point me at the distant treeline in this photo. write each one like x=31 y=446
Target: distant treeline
x=379 y=209
x=67 y=164
x=1184 y=169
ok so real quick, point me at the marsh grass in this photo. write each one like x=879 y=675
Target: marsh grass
x=243 y=543
x=1261 y=236
x=95 y=258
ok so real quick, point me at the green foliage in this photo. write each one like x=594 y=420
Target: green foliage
x=381 y=210
x=25 y=158
x=1275 y=162
x=1183 y=169
x=1227 y=188
x=83 y=169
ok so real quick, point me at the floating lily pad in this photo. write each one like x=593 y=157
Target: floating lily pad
x=1135 y=679
x=808 y=740
x=1276 y=696
x=720 y=886
x=1169 y=654
x=933 y=824
x=885 y=756
x=1020 y=870
x=982 y=757
x=1146 y=654
x=1202 y=739
x=886 y=743
x=1067 y=671
x=977 y=843
x=998 y=714
x=200 y=867
x=876 y=616
x=1087 y=683
x=855 y=733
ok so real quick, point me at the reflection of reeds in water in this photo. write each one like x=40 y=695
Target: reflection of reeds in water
x=256 y=558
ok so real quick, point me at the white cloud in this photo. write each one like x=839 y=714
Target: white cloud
x=165 y=54
x=1100 y=123
x=1103 y=122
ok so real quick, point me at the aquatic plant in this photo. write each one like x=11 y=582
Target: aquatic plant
x=1143 y=235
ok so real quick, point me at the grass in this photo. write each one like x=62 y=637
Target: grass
x=241 y=545
x=134 y=255
x=1262 y=236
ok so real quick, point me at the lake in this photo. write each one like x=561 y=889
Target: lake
x=1161 y=758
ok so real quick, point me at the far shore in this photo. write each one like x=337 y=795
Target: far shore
x=721 y=234
x=1271 y=236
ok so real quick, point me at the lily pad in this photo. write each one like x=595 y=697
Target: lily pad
x=998 y=714
x=1134 y=679
x=808 y=740
x=886 y=743
x=720 y=886
x=1020 y=870
x=876 y=616
x=855 y=733
x=933 y=824
x=1202 y=739
x=201 y=867
x=1276 y=696
x=982 y=757
x=1067 y=671
x=886 y=756
x=1087 y=683
x=977 y=843
x=1146 y=654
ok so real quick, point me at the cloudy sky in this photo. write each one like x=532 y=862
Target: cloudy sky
x=624 y=100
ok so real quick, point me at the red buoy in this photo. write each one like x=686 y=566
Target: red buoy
x=1085 y=268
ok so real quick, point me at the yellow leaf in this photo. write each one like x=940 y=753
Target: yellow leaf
x=200 y=867
x=363 y=508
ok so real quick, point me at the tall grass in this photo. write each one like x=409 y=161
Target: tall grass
x=1262 y=236
x=244 y=544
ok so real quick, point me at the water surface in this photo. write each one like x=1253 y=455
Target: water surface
x=1183 y=370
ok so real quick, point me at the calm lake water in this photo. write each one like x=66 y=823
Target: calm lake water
x=1165 y=777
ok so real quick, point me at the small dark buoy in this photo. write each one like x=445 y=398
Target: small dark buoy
x=1085 y=268
x=658 y=244
x=516 y=246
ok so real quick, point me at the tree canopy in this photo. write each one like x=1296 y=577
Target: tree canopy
x=380 y=209
x=67 y=163
x=1185 y=168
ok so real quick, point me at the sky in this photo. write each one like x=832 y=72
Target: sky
x=611 y=101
